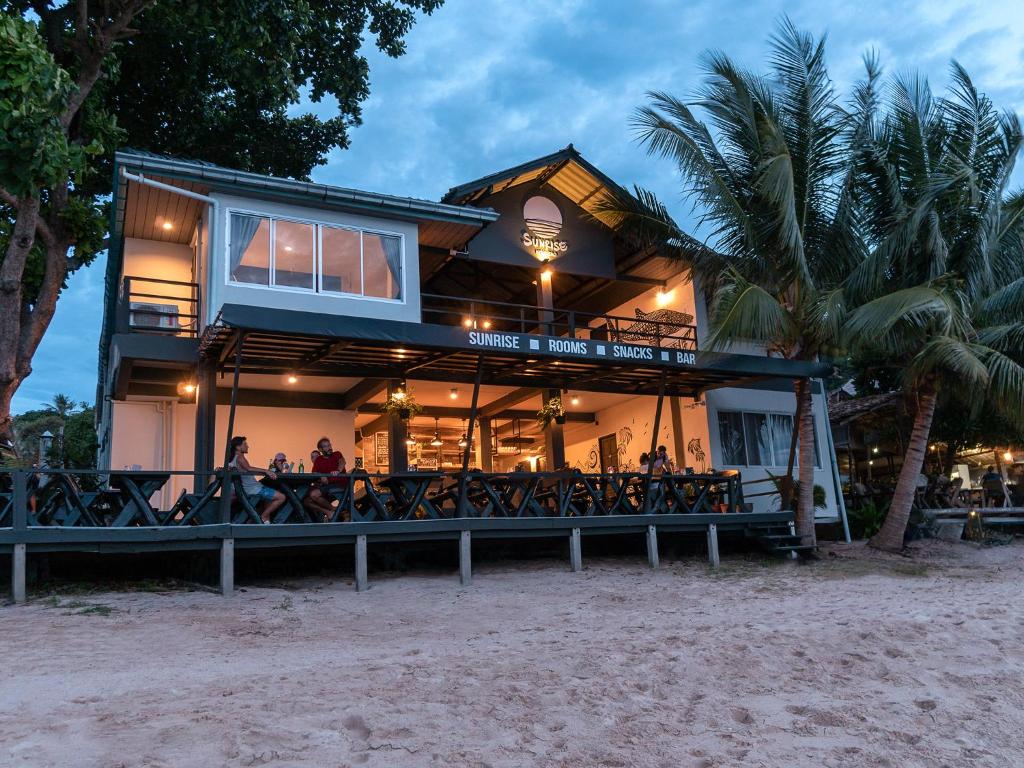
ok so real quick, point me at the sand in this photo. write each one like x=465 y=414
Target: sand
x=860 y=660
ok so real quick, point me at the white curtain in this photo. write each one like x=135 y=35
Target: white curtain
x=393 y=253
x=243 y=230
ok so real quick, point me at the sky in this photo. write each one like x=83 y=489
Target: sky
x=488 y=84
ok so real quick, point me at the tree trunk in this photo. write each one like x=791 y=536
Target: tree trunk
x=805 y=499
x=786 y=487
x=890 y=538
x=12 y=270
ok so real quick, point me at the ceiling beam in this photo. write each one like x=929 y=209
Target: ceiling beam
x=359 y=393
x=318 y=354
x=505 y=402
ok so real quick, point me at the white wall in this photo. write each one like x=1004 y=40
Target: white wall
x=221 y=292
x=757 y=400
x=160 y=434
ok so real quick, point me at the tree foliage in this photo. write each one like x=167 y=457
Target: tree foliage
x=72 y=426
x=939 y=294
x=765 y=161
x=218 y=81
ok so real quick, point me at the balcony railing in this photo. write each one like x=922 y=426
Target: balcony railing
x=154 y=305
x=127 y=499
x=660 y=328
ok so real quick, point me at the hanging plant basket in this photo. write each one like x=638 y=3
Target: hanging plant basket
x=553 y=410
x=405 y=407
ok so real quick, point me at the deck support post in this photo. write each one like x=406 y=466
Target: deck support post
x=652 y=546
x=461 y=504
x=361 y=581
x=228 y=453
x=465 y=559
x=227 y=567
x=713 y=558
x=398 y=451
x=206 y=427
x=649 y=485
x=18 y=561
x=575 y=551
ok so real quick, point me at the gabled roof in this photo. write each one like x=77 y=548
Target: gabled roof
x=565 y=170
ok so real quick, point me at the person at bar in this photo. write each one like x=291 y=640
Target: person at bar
x=270 y=499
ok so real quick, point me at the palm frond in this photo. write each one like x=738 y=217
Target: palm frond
x=743 y=311
x=943 y=355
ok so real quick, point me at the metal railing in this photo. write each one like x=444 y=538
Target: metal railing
x=155 y=305
x=531 y=319
x=123 y=499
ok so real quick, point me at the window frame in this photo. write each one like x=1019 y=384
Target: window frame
x=767 y=414
x=318 y=227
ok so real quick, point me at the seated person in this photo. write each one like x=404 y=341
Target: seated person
x=330 y=462
x=281 y=464
x=268 y=497
x=316 y=502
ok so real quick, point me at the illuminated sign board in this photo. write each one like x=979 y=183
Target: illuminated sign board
x=588 y=348
x=543 y=224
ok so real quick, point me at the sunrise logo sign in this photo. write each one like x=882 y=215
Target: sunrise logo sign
x=543 y=223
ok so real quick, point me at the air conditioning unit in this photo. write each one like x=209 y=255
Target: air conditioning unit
x=144 y=314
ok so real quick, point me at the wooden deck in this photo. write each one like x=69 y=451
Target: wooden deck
x=116 y=517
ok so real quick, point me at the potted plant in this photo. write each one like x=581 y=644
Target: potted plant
x=402 y=403
x=552 y=410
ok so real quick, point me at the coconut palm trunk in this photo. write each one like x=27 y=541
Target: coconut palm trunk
x=805 y=499
x=890 y=537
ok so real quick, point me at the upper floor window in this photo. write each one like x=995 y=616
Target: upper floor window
x=298 y=255
x=758 y=439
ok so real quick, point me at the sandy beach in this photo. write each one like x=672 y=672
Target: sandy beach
x=858 y=660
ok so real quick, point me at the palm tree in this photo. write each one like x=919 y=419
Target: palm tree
x=941 y=293
x=63 y=405
x=770 y=176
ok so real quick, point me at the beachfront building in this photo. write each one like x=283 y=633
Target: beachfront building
x=287 y=310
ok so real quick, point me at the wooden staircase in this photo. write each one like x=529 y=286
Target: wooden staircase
x=776 y=540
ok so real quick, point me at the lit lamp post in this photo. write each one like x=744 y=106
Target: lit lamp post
x=45 y=443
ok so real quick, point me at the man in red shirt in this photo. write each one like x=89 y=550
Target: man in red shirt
x=330 y=462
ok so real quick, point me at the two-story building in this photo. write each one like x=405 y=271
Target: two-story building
x=286 y=310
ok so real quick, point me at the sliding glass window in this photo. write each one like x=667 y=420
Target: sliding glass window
x=297 y=255
x=753 y=439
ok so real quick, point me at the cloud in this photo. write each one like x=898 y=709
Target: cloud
x=488 y=84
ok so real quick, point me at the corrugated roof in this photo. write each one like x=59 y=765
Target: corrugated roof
x=566 y=170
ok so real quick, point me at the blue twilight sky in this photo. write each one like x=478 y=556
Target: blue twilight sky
x=487 y=84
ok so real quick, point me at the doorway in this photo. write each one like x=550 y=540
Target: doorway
x=609 y=450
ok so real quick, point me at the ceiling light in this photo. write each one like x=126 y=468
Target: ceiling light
x=168 y=226
x=410 y=440
x=186 y=389
x=486 y=323
x=875 y=449
x=663 y=298
x=463 y=442
x=398 y=394
x=468 y=323
x=1008 y=456
x=453 y=393
x=575 y=400
x=289 y=248
x=291 y=378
